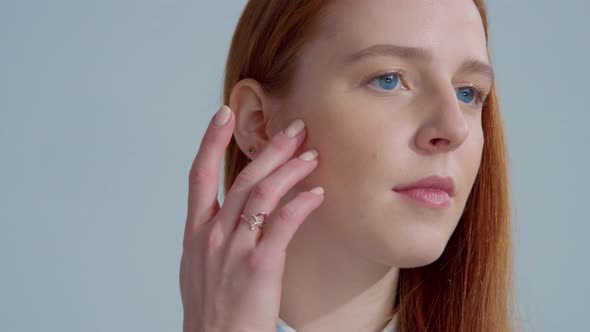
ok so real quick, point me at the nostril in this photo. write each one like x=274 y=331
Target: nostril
x=435 y=140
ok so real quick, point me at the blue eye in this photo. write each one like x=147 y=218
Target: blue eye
x=390 y=81
x=387 y=81
x=466 y=94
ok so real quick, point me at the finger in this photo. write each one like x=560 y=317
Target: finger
x=204 y=173
x=280 y=149
x=284 y=222
x=267 y=193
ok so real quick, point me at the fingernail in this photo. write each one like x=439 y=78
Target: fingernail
x=317 y=190
x=222 y=116
x=294 y=128
x=309 y=155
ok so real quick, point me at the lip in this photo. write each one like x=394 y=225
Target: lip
x=432 y=191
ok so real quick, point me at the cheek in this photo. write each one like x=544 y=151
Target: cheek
x=469 y=160
x=358 y=140
x=357 y=167
x=474 y=150
x=346 y=137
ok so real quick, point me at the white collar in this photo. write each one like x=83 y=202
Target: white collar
x=390 y=327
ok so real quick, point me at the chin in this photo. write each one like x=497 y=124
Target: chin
x=420 y=250
x=419 y=259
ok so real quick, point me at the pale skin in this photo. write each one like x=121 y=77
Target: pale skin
x=333 y=263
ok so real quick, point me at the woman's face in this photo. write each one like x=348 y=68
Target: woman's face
x=376 y=131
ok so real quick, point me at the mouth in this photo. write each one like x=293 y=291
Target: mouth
x=432 y=191
x=432 y=198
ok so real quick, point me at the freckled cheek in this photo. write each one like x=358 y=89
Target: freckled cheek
x=350 y=160
x=346 y=134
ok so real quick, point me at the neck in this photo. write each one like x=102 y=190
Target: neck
x=326 y=287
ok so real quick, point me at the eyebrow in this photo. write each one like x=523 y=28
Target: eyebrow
x=417 y=53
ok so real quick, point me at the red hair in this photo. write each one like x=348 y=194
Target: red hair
x=468 y=288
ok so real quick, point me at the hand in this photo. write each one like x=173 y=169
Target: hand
x=230 y=276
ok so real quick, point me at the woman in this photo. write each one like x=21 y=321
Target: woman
x=395 y=103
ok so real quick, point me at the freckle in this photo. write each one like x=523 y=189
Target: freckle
x=374 y=155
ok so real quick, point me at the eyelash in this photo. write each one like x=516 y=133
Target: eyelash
x=480 y=94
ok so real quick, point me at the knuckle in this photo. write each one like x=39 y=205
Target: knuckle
x=264 y=261
x=199 y=175
x=245 y=179
x=255 y=260
x=213 y=241
x=188 y=240
x=262 y=190
x=276 y=147
x=210 y=139
x=287 y=213
x=294 y=166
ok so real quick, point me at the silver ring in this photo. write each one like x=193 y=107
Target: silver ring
x=256 y=221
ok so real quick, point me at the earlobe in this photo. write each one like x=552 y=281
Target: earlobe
x=250 y=104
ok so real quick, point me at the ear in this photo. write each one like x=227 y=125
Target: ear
x=251 y=105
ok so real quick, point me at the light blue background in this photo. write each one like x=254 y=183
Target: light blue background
x=102 y=108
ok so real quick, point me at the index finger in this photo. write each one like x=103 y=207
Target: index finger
x=204 y=173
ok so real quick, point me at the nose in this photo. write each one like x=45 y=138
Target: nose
x=445 y=127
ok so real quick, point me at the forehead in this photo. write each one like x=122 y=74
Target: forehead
x=450 y=29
